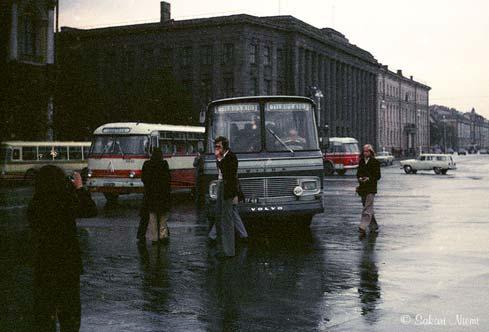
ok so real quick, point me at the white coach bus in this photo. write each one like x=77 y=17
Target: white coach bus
x=119 y=150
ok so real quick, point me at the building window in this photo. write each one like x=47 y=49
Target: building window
x=186 y=58
x=281 y=88
x=268 y=87
x=228 y=54
x=166 y=57
x=206 y=55
x=253 y=86
x=228 y=87
x=206 y=90
x=280 y=62
x=267 y=56
x=253 y=53
x=30 y=34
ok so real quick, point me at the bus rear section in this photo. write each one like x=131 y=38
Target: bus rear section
x=342 y=155
x=280 y=164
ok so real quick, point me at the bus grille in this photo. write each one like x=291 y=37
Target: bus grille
x=268 y=187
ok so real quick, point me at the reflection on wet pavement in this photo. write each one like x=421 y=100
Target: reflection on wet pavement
x=430 y=257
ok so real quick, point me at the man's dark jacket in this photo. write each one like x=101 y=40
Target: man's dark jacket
x=229 y=169
x=156 y=178
x=370 y=170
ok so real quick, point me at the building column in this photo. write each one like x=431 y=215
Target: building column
x=334 y=97
x=302 y=71
x=354 y=110
x=327 y=91
x=13 y=52
x=50 y=37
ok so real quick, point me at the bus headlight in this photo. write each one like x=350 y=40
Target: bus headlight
x=89 y=173
x=132 y=174
x=309 y=185
x=213 y=189
x=298 y=191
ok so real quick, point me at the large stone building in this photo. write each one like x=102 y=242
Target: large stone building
x=403 y=114
x=218 y=57
x=26 y=64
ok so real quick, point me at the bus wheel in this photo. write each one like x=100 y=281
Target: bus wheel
x=408 y=169
x=30 y=175
x=111 y=197
x=328 y=168
x=341 y=172
x=437 y=170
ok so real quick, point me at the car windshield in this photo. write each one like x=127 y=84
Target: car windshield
x=120 y=145
x=336 y=147
x=383 y=153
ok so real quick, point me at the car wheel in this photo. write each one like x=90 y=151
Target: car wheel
x=341 y=172
x=408 y=169
x=328 y=168
x=437 y=170
x=444 y=171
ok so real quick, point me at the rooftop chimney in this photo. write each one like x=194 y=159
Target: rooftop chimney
x=399 y=72
x=411 y=77
x=165 y=12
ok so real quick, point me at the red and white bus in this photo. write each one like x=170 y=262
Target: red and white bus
x=119 y=150
x=341 y=155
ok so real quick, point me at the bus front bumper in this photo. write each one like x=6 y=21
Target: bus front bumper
x=277 y=209
x=115 y=185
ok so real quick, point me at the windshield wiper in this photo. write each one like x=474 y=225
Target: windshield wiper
x=280 y=140
x=120 y=149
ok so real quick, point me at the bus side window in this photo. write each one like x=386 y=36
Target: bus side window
x=166 y=147
x=60 y=152
x=45 y=153
x=15 y=154
x=180 y=147
x=86 y=151
x=29 y=153
x=75 y=152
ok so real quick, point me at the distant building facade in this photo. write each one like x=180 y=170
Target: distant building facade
x=403 y=114
x=26 y=64
x=221 y=57
x=458 y=130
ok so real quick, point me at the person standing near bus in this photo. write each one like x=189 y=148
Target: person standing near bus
x=227 y=214
x=368 y=173
x=156 y=179
x=57 y=263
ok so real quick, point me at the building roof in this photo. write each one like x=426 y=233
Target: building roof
x=328 y=36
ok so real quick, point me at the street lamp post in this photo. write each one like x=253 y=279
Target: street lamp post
x=444 y=135
x=418 y=132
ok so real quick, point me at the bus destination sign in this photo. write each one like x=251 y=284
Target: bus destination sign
x=288 y=107
x=233 y=108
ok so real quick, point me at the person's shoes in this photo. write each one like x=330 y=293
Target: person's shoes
x=222 y=256
x=211 y=242
x=243 y=240
x=374 y=229
x=361 y=233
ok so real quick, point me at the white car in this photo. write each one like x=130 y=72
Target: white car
x=439 y=163
x=385 y=158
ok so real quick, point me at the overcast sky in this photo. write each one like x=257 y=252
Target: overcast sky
x=442 y=43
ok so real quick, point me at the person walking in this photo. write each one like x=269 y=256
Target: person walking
x=227 y=215
x=156 y=179
x=57 y=263
x=368 y=173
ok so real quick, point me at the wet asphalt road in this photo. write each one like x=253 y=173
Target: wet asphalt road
x=427 y=270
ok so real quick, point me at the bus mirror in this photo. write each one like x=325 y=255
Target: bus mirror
x=202 y=117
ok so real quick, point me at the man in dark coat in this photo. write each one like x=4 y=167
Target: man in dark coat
x=156 y=179
x=57 y=263
x=368 y=174
x=227 y=196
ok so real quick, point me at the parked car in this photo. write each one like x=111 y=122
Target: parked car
x=483 y=151
x=462 y=151
x=439 y=163
x=450 y=150
x=385 y=158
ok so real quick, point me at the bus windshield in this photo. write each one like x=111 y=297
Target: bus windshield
x=289 y=126
x=337 y=147
x=120 y=145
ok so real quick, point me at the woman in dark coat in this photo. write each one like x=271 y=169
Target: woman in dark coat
x=57 y=264
x=156 y=179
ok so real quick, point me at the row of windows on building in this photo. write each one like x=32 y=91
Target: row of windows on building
x=405 y=95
